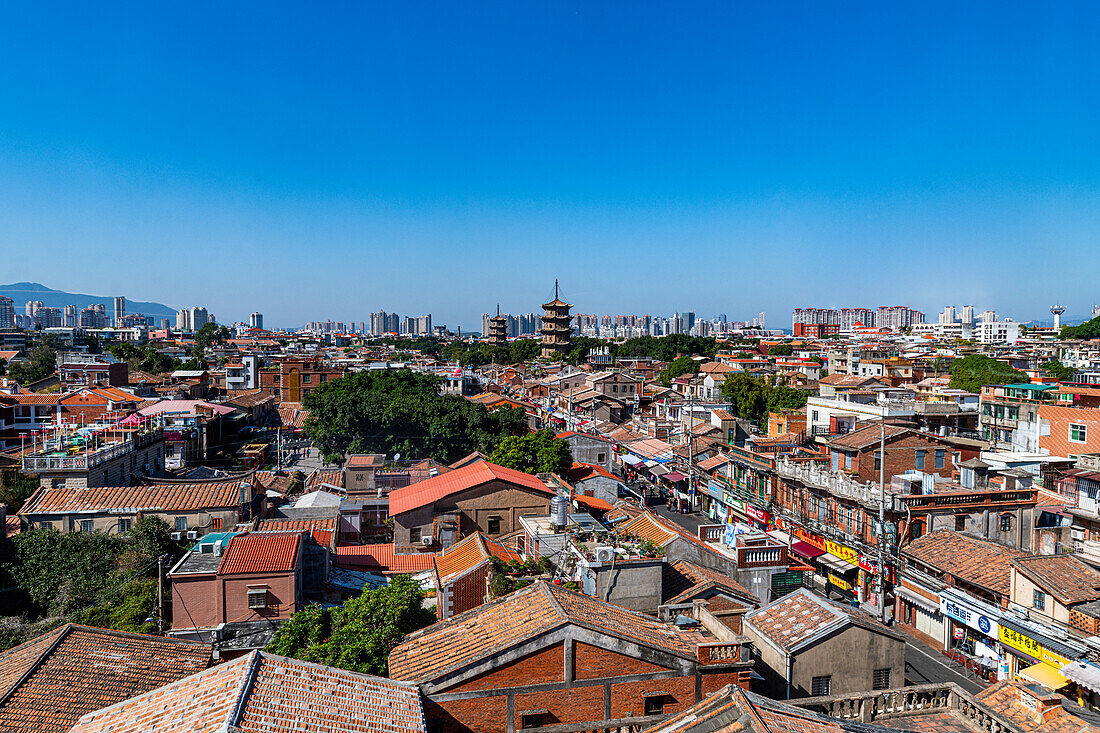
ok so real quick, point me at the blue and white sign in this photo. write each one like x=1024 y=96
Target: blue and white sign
x=970 y=616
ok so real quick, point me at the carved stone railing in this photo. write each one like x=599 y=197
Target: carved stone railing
x=868 y=707
x=834 y=482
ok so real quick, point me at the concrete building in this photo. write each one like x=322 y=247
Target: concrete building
x=120 y=310
x=256 y=320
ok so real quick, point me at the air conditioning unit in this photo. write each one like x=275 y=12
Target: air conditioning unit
x=427 y=541
x=605 y=554
x=177 y=535
x=1077 y=534
x=192 y=535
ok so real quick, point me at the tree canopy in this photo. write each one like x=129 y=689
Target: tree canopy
x=359 y=635
x=1086 y=331
x=538 y=452
x=781 y=350
x=145 y=358
x=1059 y=371
x=401 y=411
x=39 y=364
x=972 y=372
x=209 y=334
x=679 y=367
x=753 y=397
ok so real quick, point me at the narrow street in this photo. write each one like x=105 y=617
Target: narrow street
x=923 y=665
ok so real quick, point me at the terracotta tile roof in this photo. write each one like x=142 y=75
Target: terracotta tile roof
x=978 y=562
x=592 y=502
x=264 y=693
x=468 y=554
x=868 y=436
x=159 y=497
x=501 y=624
x=382 y=558
x=801 y=618
x=368 y=460
x=1065 y=577
x=472 y=458
x=322 y=530
x=33 y=398
x=291 y=415
x=50 y=681
x=330 y=476
x=713 y=462
x=261 y=552
x=583 y=471
x=438 y=487
x=659 y=531
x=1017 y=703
x=682 y=579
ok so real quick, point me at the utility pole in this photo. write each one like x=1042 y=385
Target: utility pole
x=160 y=595
x=882 y=520
x=691 y=451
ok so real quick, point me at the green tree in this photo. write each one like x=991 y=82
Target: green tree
x=972 y=372
x=15 y=488
x=1059 y=371
x=210 y=334
x=39 y=364
x=538 y=452
x=679 y=367
x=1086 y=331
x=401 y=411
x=359 y=635
x=781 y=350
x=748 y=396
x=786 y=398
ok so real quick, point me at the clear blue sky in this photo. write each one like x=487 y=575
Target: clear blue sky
x=315 y=161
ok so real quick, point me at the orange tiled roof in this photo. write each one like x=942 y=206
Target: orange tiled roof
x=469 y=637
x=683 y=579
x=264 y=693
x=261 y=552
x=978 y=562
x=382 y=558
x=482 y=472
x=1063 y=576
x=470 y=553
x=1014 y=702
x=323 y=530
x=800 y=618
x=159 y=497
x=330 y=476
x=50 y=681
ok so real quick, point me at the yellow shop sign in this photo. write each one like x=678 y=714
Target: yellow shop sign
x=1027 y=645
x=846 y=554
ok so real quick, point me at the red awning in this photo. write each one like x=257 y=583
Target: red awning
x=675 y=476
x=806 y=550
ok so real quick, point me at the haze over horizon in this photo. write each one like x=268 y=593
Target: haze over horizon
x=333 y=161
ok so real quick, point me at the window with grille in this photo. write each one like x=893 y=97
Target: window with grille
x=257 y=598
x=493 y=525
x=1039 y=599
x=216 y=523
x=1006 y=522
x=820 y=686
x=181 y=524
x=124 y=525
x=655 y=705
x=86 y=525
x=1077 y=433
x=880 y=679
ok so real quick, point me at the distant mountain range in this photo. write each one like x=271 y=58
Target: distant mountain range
x=23 y=292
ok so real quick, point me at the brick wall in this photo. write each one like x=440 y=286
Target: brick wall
x=544 y=666
x=590 y=662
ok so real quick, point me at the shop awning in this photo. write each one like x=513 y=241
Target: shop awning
x=780 y=536
x=835 y=563
x=917 y=599
x=675 y=476
x=631 y=460
x=806 y=550
x=1045 y=675
x=657 y=469
x=1084 y=674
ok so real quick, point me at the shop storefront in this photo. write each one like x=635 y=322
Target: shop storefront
x=840 y=568
x=1033 y=656
x=972 y=632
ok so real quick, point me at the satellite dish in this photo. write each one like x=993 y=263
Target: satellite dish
x=397 y=456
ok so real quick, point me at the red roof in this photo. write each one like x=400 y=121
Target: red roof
x=261 y=552
x=382 y=558
x=593 y=502
x=467 y=477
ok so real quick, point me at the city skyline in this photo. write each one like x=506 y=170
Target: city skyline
x=437 y=159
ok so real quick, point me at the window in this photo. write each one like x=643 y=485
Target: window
x=493 y=525
x=414 y=535
x=45 y=525
x=918 y=460
x=848 y=518
x=307 y=378
x=86 y=525
x=836 y=460
x=530 y=720
x=848 y=461
x=960 y=522
x=257 y=598
x=1077 y=433
x=878 y=460
x=181 y=524
x=601 y=457
x=1006 y=522
x=124 y=525
x=939 y=457
x=655 y=704
x=820 y=686
x=216 y=523
x=880 y=679
x=614 y=388
x=1038 y=599
x=815 y=416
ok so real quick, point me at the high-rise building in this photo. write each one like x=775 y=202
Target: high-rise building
x=967 y=315
x=70 y=318
x=199 y=317
x=7 y=312
x=120 y=309
x=183 y=320
x=47 y=317
x=256 y=320
x=33 y=306
x=165 y=323
x=687 y=321
x=556 y=330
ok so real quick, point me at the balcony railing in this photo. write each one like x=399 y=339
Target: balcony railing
x=762 y=557
x=835 y=483
x=869 y=707
x=91 y=459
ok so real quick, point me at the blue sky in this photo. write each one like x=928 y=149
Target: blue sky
x=325 y=161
